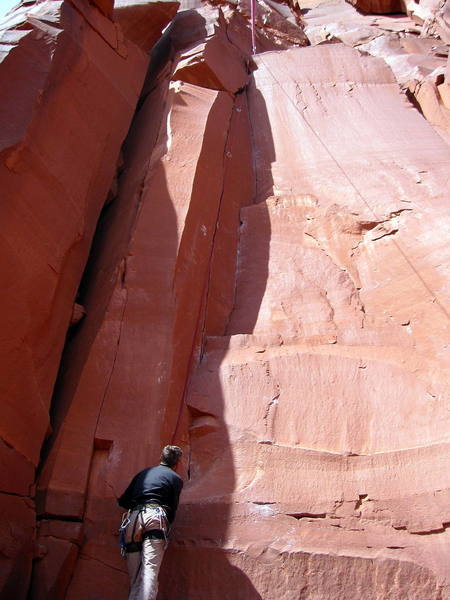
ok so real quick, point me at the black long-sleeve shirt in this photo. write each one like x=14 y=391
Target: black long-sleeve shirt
x=157 y=484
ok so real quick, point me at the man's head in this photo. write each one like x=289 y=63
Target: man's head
x=170 y=456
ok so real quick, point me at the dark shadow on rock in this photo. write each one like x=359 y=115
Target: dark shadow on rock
x=96 y=379
x=203 y=573
x=252 y=268
x=199 y=562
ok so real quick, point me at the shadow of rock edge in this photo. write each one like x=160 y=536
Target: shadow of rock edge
x=201 y=561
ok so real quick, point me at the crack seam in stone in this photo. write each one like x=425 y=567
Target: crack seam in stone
x=14 y=449
x=108 y=383
x=205 y=296
x=216 y=227
x=99 y=33
x=16 y=495
x=354 y=455
x=120 y=277
x=238 y=249
x=89 y=557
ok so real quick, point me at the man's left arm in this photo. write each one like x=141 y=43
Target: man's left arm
x=125 y=499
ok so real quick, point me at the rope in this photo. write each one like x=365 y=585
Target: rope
x=253 y=24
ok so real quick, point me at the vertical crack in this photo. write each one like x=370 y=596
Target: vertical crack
x=202 y=314
x=269 y=417
x=122 y=278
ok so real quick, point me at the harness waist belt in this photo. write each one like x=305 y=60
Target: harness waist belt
x=152 y=534
x=133 y=547
x=145 y=505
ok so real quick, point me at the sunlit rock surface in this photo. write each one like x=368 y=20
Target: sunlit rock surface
x=328 y=393
x=415 y=50
x=268 y=286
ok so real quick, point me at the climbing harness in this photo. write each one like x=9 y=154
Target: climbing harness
x=122 y=530
x=132 y=541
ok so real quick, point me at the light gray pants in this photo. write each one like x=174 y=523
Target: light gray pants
x=143 y=567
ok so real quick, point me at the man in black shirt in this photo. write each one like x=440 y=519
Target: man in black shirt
x=151 y=500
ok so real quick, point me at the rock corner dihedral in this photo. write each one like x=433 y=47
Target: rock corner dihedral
x=238 y=244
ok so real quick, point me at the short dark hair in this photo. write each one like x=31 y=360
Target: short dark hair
x=171 y=455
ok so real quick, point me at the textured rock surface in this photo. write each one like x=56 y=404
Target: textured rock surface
x=415 y=49
x=268 y=286
x=142 y=21
x=178 y=193
x=321 y=418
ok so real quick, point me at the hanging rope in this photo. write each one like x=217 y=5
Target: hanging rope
x=253 y=24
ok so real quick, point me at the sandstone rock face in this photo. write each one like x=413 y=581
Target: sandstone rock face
x=316 y=421
x=179 y=193
x=268 y=286
x=415 y=49
x=142 y=21
x=59 y=148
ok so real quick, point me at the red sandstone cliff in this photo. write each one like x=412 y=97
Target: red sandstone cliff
x=244 y=255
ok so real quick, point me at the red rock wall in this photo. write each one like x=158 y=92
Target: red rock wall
x=177 y=205
x=60 y=143
x=267 y=286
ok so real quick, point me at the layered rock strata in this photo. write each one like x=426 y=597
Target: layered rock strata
x=267 y=286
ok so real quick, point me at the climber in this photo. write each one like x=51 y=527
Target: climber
x=151 y=500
